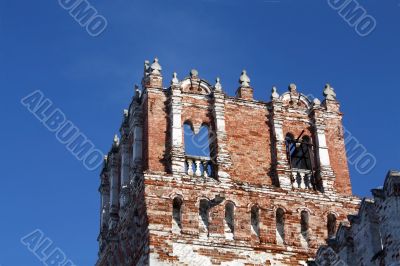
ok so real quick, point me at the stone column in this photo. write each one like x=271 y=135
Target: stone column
x=219 y=139
x=114 y=164
x=124 y=171
x=324 y=169
x=125 y=160
x=281 y=163
x=114 y=184
x=105 y=201
x=137 y=145
x=175 y=109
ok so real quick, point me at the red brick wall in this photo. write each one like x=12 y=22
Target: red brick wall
x=159 y=201
x=337 y=155
x=155 y=131
x=249 y=143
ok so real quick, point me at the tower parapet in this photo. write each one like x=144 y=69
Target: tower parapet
x=265 y=178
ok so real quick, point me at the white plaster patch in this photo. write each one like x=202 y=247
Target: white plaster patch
x=186 y=254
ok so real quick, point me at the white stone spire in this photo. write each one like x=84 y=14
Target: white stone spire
x=175 y=80
x=244 y=80
x=316 y=102
x=329 y=93
x=155 y=68
x=274 y=94
x=116 y=141
x=146 y=67
x=217 y=86
x=292 y=87
x=194 y=74
x=137 y=92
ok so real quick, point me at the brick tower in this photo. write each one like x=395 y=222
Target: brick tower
x=273 y=187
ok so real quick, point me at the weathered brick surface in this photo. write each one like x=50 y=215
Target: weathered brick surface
x=373 y=235
x=335 y=140
x=249 y=142
x=156 y=130
x=250 y=168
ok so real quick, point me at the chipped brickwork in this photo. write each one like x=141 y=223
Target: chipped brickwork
x=211 y=223
x=372 y=237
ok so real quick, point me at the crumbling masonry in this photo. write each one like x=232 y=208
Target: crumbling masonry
x=372 y=237
x=273 y=188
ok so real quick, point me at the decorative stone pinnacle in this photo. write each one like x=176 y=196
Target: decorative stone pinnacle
x=244 y=80
x=105 y=159
x=116 y=140
x=292 y=87
x=217 y=86
x=329 y=93
x=137 y=91
x=126 y=112
x=194 y=74
x=175 y=80
x=155 y=68
x=316 y=102
x=146 y=67
x=274 y=94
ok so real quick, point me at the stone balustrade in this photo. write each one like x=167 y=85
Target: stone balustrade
x=301 y=178
x=199 y=166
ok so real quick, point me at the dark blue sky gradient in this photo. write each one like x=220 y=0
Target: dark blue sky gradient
x=91 y=80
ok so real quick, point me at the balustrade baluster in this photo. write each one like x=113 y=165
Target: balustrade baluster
x=198 y=169
x=190 y=166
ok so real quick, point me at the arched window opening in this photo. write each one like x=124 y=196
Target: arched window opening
x=304 y=228
x=204 y=209
x=177 y=214
x=198 y=143
x=255 y=220
x=197 y=150
x=331 y=225
x=300 y=152
x=229 y=220
x=280 y=226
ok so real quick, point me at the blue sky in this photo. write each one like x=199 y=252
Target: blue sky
x=91 y=79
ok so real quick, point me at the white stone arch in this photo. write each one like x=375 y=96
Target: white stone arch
x=326 y=213
x=206 y=88
x=230 y=218
x=302 y=98
x=279 y=206
x=251 y=205
x=202 y=197
x=299 y=210
x=234 y=202
x=175 y=194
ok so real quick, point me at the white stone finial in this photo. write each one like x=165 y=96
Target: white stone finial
x=116 y=140
x=329 y=93
x=137 y=91
x=155 y=67
x=274 y=94
x=146 y=67
x=194 y=74
x=292 y=87
x=316 y=102
x=175 y=80
x=218 y=86
x=244 y=80
x=126 y=112
x=105 y=159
